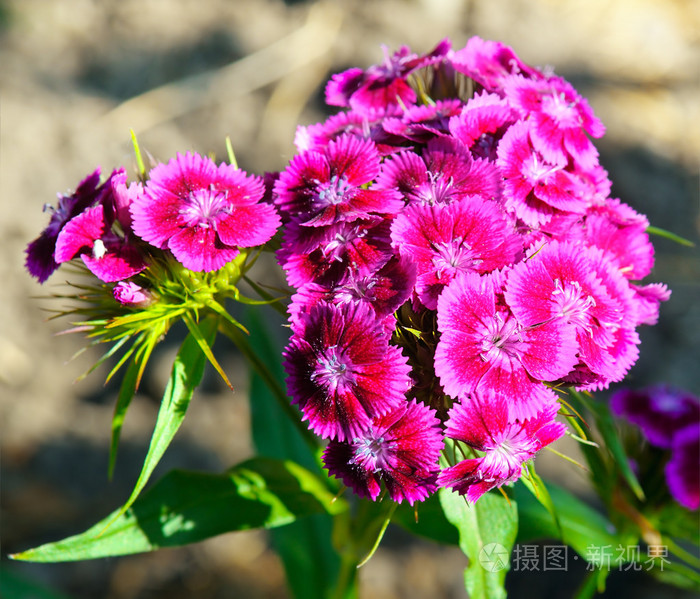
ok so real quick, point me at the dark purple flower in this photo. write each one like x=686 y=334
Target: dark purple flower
x=399 y=450
x=40 y=260
x=384 y=290
x=683 y=469
x=341 y=370
x=660 y=411
x=201 y=213
x=482 y=421
x=327 y=255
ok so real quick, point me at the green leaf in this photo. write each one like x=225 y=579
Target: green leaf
x=139 y=160
x=186 y=374
x=431 y=521
x=16 y=586
x=668 y=235
x=186 y=507
x=310 y=561
x=205 y=346
x=586 y=530
x=487 y=531
x=534 y=483
x=126 y=394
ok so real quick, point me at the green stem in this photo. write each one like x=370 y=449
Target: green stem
x=235 y=335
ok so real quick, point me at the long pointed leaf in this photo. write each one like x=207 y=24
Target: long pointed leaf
x=126 y=394
x=205 y=346
x=186 y=507
x=186 y=374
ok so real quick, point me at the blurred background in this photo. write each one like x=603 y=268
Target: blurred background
x=76 y=75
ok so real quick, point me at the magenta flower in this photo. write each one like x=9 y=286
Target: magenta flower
x=628 y=243
x=444 y=240
x=484 y=424
x=446 y=172
x=326 y=255
x=560 y=119
x=382 y=86
x=202 y=213
x=534 y=188
x=40 y=260
x=482 y=123
x=129 y=293
x=341 y=370
x=324 y=187
x=484 y=348
x=384 y=290
x=422 y=123
x=647 y=299
x=109 y=257
x=399 y=450
x=491 y=63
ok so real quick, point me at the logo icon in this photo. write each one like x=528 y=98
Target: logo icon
x=494 y=557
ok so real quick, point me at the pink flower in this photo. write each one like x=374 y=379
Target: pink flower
x=422 y=123
x=534 y=187
x=484 y=348
x=341 y=370
x=560 y=119
x=583 y=287
x=444 y=240
x=202 y=213
x=382 y=86
x=613 y=228
x=484 y=424
x=325 y=187
x=399 y=450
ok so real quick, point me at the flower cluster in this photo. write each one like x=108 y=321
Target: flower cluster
x=456 y=257
x=669 y=418
x=454 y=251
x=188 y=209
x=169 y=247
